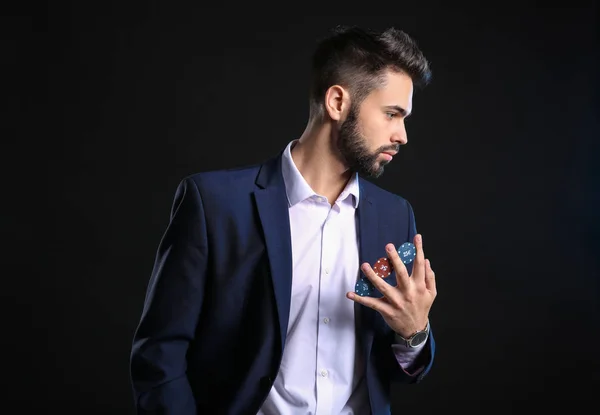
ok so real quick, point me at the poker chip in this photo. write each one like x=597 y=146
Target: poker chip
x=382 y=267
x=364 y=288
x=407 y=252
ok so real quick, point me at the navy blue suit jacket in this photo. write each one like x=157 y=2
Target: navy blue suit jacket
x=216 y=311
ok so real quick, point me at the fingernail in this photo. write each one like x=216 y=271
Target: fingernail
x=390 y=248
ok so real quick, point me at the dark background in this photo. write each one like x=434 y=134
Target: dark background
x=113 y=104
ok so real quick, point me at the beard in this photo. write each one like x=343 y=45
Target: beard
x=353 y=148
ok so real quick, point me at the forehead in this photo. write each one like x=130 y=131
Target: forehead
x=397 y=90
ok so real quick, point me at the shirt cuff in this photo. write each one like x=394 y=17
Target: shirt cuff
x=407 y=356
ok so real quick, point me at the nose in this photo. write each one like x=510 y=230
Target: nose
x=399 y=136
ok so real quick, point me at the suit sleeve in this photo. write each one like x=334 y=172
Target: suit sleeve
x=420 y=364
x=171 y=310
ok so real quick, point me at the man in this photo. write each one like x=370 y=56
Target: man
x=251 y=306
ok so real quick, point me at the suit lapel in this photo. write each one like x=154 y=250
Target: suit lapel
x=273 y=211
x=369 y=251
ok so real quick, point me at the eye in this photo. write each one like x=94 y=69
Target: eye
x=390 y=115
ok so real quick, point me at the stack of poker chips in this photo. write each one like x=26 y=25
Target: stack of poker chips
x=383 y=268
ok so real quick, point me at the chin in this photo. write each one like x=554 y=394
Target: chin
x=376 y=172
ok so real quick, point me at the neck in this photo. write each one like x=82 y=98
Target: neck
x=317 y=158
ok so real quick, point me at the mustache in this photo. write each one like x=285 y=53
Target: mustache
x=395 y=148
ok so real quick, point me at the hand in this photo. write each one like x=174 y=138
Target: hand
x=405 y=307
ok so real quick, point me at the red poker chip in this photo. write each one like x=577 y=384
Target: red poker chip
x=382 y=267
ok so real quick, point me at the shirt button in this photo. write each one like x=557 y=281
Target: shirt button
x=326 y=320
x=327 y=271
x=324 y=373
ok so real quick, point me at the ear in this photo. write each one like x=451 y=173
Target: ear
x=337 y=102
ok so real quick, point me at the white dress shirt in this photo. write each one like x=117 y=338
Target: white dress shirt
x=322 y=369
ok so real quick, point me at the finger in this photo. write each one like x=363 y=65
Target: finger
x=430 y=277
x=402 y=277
x=384 y=288
x=418 y=271
x=377 y=304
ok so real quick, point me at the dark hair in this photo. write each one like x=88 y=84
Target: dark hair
x=357 y=59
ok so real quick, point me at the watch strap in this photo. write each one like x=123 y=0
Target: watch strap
x=408 y=341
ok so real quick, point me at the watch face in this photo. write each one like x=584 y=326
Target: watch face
x=418 y=339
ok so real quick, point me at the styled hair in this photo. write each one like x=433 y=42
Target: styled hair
x=358 y=59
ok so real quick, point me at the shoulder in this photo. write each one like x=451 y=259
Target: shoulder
x=227 y=186
x=228 y=180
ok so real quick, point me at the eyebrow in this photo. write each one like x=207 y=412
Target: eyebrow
x=398 y=108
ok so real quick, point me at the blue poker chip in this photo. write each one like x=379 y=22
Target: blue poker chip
x=407 y=252
x=364 y=288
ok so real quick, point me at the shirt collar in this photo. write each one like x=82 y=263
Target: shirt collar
x=298 y=190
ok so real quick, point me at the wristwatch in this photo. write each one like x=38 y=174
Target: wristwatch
x=416 y=339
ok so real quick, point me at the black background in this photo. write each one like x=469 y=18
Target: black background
x=113 y=104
